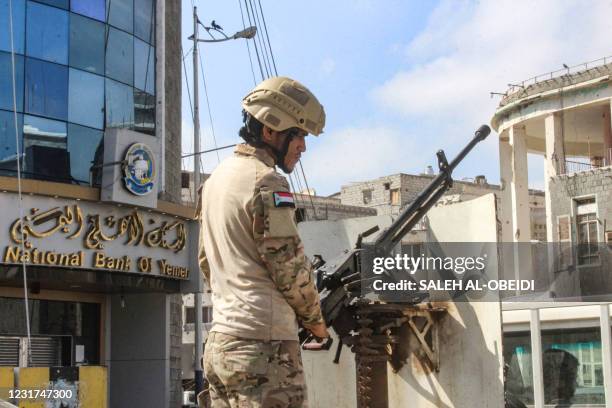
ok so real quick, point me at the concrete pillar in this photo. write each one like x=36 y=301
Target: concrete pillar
x=554 y=165
x=536 y=358
x=505 y=174
x=555 y=156
x=519 y=188
x=607 y=135
x=606 y=351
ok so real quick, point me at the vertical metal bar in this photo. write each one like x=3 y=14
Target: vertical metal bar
x=606 y=351
x=536 y=358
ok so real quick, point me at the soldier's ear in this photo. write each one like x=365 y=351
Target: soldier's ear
x=268 y=135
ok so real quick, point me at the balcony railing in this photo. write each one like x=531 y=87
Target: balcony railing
x=574 y=166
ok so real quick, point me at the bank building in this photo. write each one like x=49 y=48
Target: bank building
x=93 y=233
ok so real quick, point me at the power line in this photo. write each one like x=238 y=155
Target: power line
x=247 y=44
x=254 y=42
x=267 y=37
x=264 y=40
x=208 y=151
x=212 y=127
x=307 y=188
x=261 y=40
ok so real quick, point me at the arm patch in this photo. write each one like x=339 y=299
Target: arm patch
x=283 y=199
x=279 y=220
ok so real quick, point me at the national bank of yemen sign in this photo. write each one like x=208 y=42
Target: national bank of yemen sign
x=65 y=233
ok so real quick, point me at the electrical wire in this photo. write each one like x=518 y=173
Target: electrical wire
x=246 y=41
x=212 y=127
x=308 y=188
x=261 y=70
x=264 y=50
x=267 y=36
x=267 y=49
x=19 y=191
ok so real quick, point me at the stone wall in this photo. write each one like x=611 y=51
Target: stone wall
x=594 y=183
x=326 y=208
x=587 y=280
x=409 y=187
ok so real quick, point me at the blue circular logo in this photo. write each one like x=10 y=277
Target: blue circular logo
x=139 y=169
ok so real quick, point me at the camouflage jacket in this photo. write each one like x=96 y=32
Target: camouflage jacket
x=251 y=253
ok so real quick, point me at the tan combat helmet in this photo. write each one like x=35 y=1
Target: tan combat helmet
x=282 y=103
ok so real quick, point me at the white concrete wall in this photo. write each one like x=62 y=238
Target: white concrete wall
x=471 y=358
x=470 y=333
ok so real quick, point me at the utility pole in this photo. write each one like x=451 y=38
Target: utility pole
x=197 y=297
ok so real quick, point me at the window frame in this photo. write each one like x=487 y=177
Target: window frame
x=579 y=209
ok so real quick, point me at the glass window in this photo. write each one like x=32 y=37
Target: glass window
x=144 y=20
x=87 y=44
x=44 y=142
x=518 y=382
x=119 y=105
x=86 y=99
x=83 y=143
x=6 y=81
x=144 y=112
x=586 y=225
x=18 y=26
x=46 y=89
x=121 y=14
x=120 y=56
x=572 y=367
x=47 y=33
x=367 y=196
x=57 y=3
x=144 y=66
x=90 y=8
x=8 y=146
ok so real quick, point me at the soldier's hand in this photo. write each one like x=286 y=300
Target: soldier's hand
x=318 y=330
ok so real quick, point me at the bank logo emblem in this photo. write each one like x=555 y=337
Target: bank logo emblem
x=139 y=169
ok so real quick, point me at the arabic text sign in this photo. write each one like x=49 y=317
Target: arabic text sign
x=77 y=234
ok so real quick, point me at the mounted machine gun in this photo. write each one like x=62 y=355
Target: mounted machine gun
x=370 y=325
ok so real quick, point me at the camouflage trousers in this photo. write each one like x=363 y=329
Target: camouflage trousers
x=245 y=373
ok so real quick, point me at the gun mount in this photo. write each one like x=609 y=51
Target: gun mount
x=370 y=326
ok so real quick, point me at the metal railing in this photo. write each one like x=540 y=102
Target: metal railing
x=560 y=72
x=577 y=167
x=573 y=166
x=556 y=79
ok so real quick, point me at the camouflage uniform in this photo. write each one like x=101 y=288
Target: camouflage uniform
x=261 y=282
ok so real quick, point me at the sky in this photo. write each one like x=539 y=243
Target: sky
x=398 y=79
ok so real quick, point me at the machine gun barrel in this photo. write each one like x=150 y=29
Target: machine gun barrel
x=427 y=198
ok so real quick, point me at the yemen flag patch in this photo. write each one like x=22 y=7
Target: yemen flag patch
x=283 y=199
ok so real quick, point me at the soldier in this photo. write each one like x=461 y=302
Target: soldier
x=253 y=258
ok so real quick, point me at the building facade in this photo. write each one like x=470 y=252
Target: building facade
x=564 y=117
x=91 y=195
x=389 y=195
